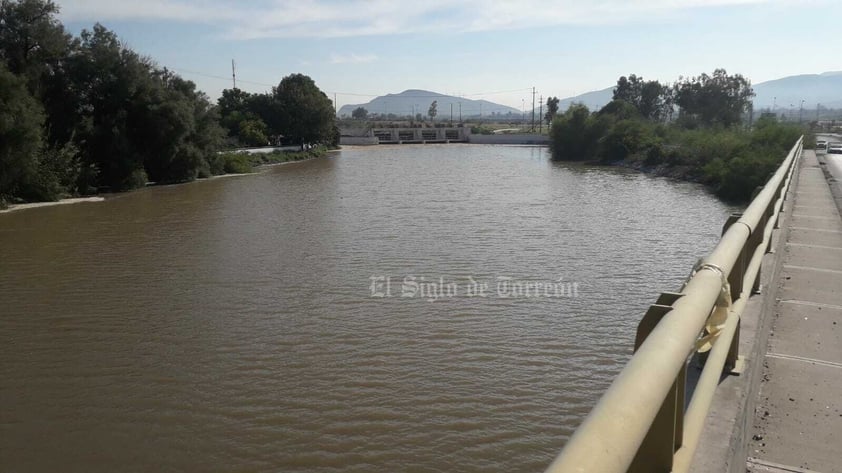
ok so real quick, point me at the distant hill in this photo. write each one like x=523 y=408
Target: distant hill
x=410 y=102
x=593 y=100
x=824 y=89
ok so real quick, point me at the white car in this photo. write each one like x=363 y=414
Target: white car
x=821 y=145
x=834 y=148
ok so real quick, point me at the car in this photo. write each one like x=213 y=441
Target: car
x=834 y=148
x=821 y=144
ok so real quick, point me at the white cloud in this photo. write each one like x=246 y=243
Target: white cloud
x=352 y=58
x=347 y=18
x=190 y=11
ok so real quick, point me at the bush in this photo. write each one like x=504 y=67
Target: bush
x=575 y=135
x=625 y=138
x=236 y=163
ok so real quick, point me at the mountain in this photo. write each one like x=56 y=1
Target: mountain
x=785 y=93
x=788 y=92
x=410 y=102
x=593 y=100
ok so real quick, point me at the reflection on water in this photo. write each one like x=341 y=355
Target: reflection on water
x=241 y=324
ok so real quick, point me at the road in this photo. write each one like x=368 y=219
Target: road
x=834 y=161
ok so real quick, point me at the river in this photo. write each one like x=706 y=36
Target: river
x=429 y=308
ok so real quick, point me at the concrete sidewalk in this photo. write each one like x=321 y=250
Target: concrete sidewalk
x=797 y=423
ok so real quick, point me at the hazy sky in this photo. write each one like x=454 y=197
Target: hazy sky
x=492 y=49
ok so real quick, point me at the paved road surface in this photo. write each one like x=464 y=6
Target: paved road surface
x=798 y=419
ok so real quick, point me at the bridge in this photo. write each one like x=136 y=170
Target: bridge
x=741 y=368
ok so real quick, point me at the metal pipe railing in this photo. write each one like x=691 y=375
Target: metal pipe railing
x=610 y=437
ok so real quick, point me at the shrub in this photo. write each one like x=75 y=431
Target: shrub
x=236 y=163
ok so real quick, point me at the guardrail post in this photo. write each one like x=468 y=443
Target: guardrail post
x=736 y=281
x=733 y=362
x=735 y=278
x=754 y=241
x=666 y=433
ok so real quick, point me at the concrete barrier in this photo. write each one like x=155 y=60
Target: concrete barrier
x=513 y=139
x=358 y=140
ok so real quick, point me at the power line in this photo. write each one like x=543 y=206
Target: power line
x=355 y=94
x=211 y=76
x=351 y=94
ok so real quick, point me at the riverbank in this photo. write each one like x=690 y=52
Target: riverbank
x=33 y=205
x=731 y=162
x=235 y=164
x=242 y=162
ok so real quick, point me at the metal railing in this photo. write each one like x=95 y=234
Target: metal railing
x=640 y=424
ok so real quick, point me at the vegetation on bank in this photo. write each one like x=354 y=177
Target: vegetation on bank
x=707 y=141
x=80 y=115
x=240 y=162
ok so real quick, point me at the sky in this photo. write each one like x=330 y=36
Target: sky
x=496 y=50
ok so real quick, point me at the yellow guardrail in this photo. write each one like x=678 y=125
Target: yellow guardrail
x=640 y=423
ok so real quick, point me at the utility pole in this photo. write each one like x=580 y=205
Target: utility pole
x=801 y=111
x=460 y=112
x=533 y=110
x=233 y=73
x=451 y=113
x=541 y=116
x=335 y=110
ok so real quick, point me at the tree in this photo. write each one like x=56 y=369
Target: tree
x=32 y=40
x=233 y=100
x=359 y=113
x=432 y=112
x=21 y=119
x=575 y=134
x=305 y=114
x=239 y=115
x=552 y=110
x=177 y=131
x=651 y=99
x=253 y=132
x=715 y=100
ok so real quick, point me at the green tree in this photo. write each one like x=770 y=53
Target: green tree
x=32 y=40
x=253 y=132
x=21 y=121
x=359 y=113
x=136 y=122
x=552 y=109
x=176 y=130
x=620 y=110
x=716 y=100
x=114 y=80
x=651 y=99
x=232 y=107
x=574 y=135
x=433 y=110
x=233 y=100
x=302 y=112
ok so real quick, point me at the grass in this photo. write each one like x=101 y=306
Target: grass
x=237 y=162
